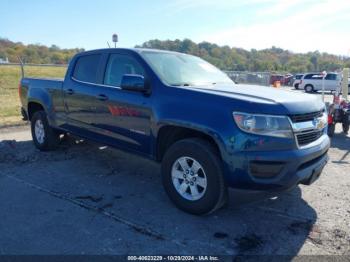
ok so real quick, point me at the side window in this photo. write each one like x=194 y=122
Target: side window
x=331 y=77
x=308 y=76
x=86 y=68
x=119 y=65
x=313 y=77
x=317 y=77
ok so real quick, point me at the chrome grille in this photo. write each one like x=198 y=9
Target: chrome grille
x=308 y=137
x=305 y=117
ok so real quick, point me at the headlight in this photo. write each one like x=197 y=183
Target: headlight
x=267 y=125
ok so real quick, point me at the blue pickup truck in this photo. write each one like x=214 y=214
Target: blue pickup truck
x=208 y=133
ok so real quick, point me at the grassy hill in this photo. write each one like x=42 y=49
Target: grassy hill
x=9 y=80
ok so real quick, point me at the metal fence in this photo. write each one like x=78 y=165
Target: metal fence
x=43 y=65
x=257 y=78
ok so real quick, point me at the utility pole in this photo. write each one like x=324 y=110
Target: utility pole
x=324 y=73
x=345 y=83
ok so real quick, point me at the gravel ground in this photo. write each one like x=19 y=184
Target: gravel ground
x=85 y=198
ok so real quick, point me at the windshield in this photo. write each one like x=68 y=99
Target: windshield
x=184 y=70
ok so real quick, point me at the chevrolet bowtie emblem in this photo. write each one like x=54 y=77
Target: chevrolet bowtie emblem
x=318 y=123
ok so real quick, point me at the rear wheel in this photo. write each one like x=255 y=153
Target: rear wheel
x=193 y=178
x=44 y=137
x=309 y=89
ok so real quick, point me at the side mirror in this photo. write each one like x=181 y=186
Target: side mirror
x=134 y=83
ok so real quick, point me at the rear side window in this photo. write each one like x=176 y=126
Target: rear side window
x=331 y=77
x=86 y=68
x=298 y=76
x=119 y=65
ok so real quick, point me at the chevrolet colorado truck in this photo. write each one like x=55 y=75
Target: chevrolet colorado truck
x=208 y=133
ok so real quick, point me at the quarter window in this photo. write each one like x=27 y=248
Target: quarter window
x=86 y=68
x=119 y=65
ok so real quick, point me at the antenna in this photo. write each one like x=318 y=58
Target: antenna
x=108 y=44
x=115 y=39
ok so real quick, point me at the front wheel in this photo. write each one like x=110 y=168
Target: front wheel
x=193 y=178
x=44 y=137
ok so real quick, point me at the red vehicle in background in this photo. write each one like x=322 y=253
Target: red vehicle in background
x=283 y=79
x=338 y=112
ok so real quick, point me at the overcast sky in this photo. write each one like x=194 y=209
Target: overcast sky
x=296 y=25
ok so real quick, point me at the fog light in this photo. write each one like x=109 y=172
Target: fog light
x=265 y=169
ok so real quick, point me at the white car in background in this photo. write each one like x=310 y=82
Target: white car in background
x=312 y=82
x=297 y=79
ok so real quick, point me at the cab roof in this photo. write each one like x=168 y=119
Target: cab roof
x=136 y=50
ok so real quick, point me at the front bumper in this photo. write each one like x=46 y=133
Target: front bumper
x=276 y=170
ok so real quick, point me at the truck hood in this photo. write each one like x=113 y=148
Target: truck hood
x=295 y=102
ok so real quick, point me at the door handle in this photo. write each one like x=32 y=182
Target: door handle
x=102 y=97
x=70 y=91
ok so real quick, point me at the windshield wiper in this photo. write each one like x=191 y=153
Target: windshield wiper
x=197 y=84
x=181 y=84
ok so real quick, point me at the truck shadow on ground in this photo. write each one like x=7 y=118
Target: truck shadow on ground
x=128 y=189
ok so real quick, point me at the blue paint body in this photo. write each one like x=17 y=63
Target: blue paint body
x=132 y=120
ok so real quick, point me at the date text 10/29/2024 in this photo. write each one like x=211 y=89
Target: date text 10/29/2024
x=173 y=258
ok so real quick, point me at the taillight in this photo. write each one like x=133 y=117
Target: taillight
x=301 y=81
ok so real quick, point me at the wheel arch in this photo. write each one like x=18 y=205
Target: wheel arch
x=33 y=107
x=168 y=134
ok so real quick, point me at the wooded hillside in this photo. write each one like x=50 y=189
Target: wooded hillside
x=272 y=59
x=35 y=53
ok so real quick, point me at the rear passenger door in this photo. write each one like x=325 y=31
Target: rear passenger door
x=80 y=91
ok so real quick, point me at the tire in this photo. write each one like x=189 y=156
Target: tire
x=45 y=138
x=309 y=89
x=331 y=130
x=199 y=153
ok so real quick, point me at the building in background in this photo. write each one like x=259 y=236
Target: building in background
x=4 y=61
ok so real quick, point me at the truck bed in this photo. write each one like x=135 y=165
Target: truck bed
x=42 y=82
x=37 y=87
